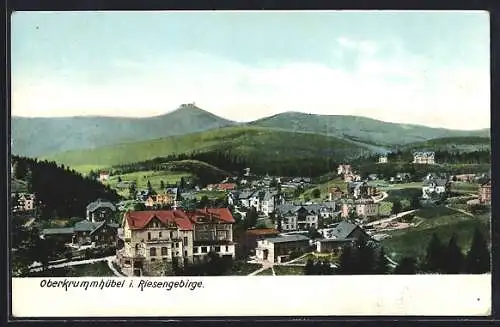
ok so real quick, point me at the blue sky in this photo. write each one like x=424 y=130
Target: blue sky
x=427 y=68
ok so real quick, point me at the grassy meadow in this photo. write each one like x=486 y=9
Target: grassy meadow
x=442 y=221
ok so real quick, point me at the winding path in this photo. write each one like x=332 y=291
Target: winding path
x=381 y=221
x=73 y=263
x=460 y=210
x=384 y=196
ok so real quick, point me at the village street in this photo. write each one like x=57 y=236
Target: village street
x=72 y=263
x=460 y=210
x=381 y=221
x=384 y=196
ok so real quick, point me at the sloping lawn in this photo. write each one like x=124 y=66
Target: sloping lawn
x=288 y=270
x=141 y=178
x=267 y=272
x=323 y=188
x=242 y=268
x=414 y=241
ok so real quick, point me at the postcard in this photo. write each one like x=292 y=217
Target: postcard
x=250 y=163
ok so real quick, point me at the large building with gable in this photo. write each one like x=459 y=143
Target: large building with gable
x=149 y=239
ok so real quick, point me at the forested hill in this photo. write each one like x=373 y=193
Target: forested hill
x=63 y=193
x=36 y=137
x=361 y=129
x=264 y=150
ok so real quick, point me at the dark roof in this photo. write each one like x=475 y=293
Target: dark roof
x=343 y=229
x=99 y=203
x=85 y=226
x=336 y=240
x=287 y=238
x=58 y=231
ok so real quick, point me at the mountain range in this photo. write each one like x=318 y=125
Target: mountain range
x=42 y=137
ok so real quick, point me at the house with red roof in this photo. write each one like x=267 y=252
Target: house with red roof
x=104 y=176
x=152 y=239
x=212 y=232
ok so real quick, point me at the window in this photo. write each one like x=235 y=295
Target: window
x=177 y=253
x=164 y=251
x=217 y=249
x=227 y=248
x=153 y=260
x=196 y=250
x=152 y=252
x=177 y=245
x=185 y=253
x=149 y=236
x=204 y=249
x=171 y=235
x=159 y=234
x=185 y=241
x=137 y=247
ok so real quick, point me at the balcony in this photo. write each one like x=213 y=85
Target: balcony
x=158 y=241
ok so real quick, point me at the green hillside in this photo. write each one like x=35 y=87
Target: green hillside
x=252 y=143
x=414 y=242
x=361 y=129
x=35 y=137
x=459 y=144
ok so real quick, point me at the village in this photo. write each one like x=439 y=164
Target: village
x=271 y=225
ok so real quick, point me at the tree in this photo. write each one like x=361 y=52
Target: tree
x=189 y=204
x=119 y=179
x=316 y=193
x=92 y=175
x=364 y=258
x=29 y=180
x=204 y=202
x=382 y=264
x=162 y=185
x=346 y=261
x=478 y=258
x=251 y=218
x=132 y=191
x=407 y=266
x=435 y=255
x=396 y=207
x=182 y=183
x=309 y=267
x=150 y=188
x=415 y=202
x=454 y=258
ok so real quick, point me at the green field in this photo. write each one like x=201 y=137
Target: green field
x=266 y=272
x=465 y=188
x=288 y=270
x=323 y=188
x=210 y=194
x=242 y=268
x=244 y=141
x=141 y=178
x=442 y=221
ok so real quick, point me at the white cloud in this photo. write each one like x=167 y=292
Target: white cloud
x=403 y=88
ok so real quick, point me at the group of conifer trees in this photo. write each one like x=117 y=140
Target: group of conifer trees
x=440 y=258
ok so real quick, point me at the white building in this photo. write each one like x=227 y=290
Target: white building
x=382 y=159
x=424 y=158
x=437 y=186
x=278 y=249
